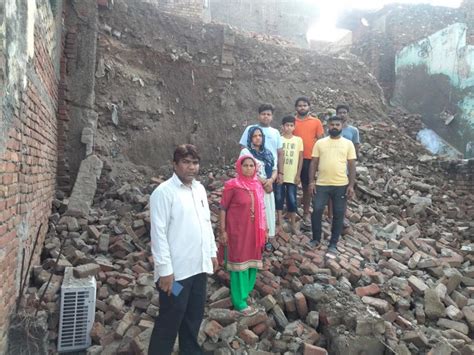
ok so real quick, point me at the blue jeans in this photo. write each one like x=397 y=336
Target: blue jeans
x=338 y=196
x=288 y=190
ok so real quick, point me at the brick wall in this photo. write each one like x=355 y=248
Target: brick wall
x=186 y=8
x=461 y=172
x=63 y=173
x=76 y=90
x=28 y=147
x=289 y=19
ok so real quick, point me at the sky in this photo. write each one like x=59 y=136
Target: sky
x=325 y=28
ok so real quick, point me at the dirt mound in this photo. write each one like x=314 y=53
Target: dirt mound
x=171 y=80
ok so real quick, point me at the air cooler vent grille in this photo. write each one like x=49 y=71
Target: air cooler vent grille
x=77 y=312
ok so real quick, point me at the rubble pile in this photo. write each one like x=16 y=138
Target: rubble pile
x=403 y=279
x=153 y=78
x=261 y=37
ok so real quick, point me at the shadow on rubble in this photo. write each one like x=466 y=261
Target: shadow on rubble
x=28 y=334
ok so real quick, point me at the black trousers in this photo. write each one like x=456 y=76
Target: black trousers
x=180 y=315
x=338 y=196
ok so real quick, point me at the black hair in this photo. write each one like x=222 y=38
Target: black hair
x=334 y=118
x=304 y=99
x=346 y=107
x=185 y=150
x=266 y=107
x=288 y=119
x=248 y=157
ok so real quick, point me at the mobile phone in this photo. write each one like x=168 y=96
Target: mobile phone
x=176 y=288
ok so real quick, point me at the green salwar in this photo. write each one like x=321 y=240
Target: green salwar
x=241 y=284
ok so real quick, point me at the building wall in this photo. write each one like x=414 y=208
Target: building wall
x=186 y=8
x=436 y=75
x=29 y=52
x=390 y=30
x=467 y=7
x=76 y=91
x=289 y=19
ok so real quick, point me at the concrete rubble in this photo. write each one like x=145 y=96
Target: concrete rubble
x=402 y=282
x=85 y=186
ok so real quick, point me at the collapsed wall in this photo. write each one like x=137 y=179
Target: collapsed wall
x=383 y=33
x=434 y=76
x=162 y=80
x=29 y=53
x=290 y=19
x=421 y=56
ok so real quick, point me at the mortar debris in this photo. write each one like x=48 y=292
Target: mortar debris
x=403 y=279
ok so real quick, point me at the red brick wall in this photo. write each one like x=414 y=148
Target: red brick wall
x=63 y=177
x=27 y=173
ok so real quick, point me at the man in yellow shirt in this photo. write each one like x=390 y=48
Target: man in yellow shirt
x=331 y=157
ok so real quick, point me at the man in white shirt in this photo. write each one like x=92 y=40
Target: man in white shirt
x=273 y=140
x=184 y=251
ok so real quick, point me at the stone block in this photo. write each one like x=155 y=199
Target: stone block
x=249 y=322
x=309 y=349
x=116 y=304
x=219 y=294
x=434 y=308
x=83 y=271
x=223 y=316
x=468 y=313
x=459 y=298
x=223 y=303
x=301 y=305
x=380 y=305
x=313 y=319
x=97 y=332
x=212 y=329
x=268 y=302
x=248 y=337
x=450 y=324
x=140 y=343
x=126 y=322
x=417 y=285
x=280 y=317
x=85 y=186
x=228 y=333
x=369 y=290
x=452 y=279
x=415 y=337
x=454 y=313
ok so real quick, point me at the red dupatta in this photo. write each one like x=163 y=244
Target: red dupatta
x=251 y=184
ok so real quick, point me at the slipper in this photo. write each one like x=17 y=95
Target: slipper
x=268 y=247
x=249 y=311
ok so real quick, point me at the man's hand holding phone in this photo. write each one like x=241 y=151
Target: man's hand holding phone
x=165 y=283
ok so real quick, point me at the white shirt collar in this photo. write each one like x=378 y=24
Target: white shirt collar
x=177 y=181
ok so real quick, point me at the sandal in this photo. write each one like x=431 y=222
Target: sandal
x=268 y=247
x=249 y=311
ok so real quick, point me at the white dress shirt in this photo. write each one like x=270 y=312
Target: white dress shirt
x=182 y=240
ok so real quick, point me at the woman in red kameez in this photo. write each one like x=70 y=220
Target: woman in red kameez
x=243 y=230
